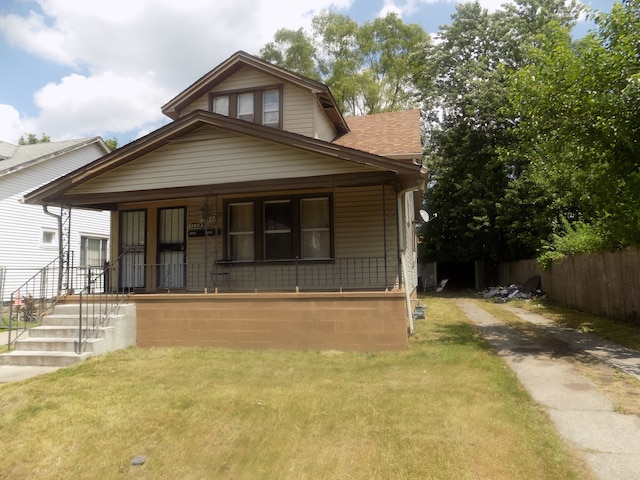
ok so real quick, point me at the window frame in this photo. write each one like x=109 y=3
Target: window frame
x=258 y=103
x=54 y=234
x=104 y=240
x=259 y=230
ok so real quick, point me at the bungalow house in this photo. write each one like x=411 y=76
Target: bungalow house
x=261 y=217
x=30 y=236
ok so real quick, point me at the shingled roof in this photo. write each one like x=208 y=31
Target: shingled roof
x=392 y=134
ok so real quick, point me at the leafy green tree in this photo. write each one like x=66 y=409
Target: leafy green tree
x=112 y=143
x=293 y=50
x=32 y=139
x=579 y=105
x=488 y=209
x=368 y=67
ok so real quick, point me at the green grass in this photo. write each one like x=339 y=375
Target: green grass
x=445 y=409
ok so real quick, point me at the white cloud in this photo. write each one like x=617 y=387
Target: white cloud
x=404 y=8
x=12 y=125
x=129 y=57
x=80 y=106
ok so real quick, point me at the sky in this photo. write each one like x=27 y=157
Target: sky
x=85 y=68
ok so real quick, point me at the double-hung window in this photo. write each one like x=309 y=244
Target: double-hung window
x=241 y=234
x=262 y=106
x=280 y=229
x=277 y=222
x=93 y=251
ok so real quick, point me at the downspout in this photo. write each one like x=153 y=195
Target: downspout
x=60 y=261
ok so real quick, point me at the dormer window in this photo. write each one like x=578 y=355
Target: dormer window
x=260 y=106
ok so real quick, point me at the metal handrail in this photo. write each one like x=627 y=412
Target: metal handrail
x=99 y=300
x=32 y=300
x=351 y=273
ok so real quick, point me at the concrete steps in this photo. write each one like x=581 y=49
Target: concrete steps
x=54 y=343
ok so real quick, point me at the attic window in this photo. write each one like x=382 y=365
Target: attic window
x=259 y=106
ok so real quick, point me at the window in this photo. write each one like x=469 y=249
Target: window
x=277 y=230
x=245 y=106
x=221 y=105
x=93 y=251
x=241 y=231
x=280 y=229
x=263 y=106
x=49 y=237
x=315 y=219
x=271 y=108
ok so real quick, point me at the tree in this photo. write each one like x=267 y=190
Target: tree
x=487 y=208
x=112 y=143
x=32 y=139
x=369 y=68
x=579 y=105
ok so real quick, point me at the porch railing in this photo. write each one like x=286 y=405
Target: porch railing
x=99 y=300
x=364 y=273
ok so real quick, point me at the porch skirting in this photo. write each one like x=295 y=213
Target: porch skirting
x=348 y=321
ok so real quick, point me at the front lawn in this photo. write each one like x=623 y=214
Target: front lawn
x=446 y=409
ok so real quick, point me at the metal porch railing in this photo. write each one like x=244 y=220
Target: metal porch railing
x=365 y=273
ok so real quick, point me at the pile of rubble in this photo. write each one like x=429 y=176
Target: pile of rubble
x=530 y=289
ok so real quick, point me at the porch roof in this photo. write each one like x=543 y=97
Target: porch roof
x=381 y=169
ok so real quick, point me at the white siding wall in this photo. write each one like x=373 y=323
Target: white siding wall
x=216 y=157
x=21 y=251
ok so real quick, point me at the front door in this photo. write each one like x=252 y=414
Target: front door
x=171 y=248
x=132 y=248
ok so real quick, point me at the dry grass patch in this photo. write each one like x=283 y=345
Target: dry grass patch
x=445 y=409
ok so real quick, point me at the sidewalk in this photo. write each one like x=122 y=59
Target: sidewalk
x=10 y=373
x=608 y=441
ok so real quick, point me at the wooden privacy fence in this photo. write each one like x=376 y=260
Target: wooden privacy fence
x=602 y=283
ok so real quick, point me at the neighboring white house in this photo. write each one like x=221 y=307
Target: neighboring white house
x=29 y=237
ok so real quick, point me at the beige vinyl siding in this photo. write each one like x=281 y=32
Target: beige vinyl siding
x=359 y=222
x=324 y=129
x=246 y=78
x=303 y=115
x=201 y=103
x=301 y=112
x=218 y=157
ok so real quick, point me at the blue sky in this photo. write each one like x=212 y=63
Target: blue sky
x=77 y=68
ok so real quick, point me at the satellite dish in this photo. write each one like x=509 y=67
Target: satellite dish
x=425 y=216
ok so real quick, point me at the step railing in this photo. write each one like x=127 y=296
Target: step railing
x=99 y=300
x=32 y=300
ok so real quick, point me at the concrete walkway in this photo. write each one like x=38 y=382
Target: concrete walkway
x=9 y=373
x=585 y=418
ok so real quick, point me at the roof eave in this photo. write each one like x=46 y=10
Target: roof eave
x=53 y=191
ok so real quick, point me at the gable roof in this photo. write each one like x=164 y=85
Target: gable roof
x=392 y=134
x=242 y=59
x=55 y=191
x=19 y=157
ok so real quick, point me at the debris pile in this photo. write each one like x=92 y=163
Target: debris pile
x=530 y=289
